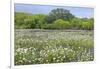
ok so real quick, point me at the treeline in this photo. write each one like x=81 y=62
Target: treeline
x=57 y=19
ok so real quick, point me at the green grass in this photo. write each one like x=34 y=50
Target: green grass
x=53 y=46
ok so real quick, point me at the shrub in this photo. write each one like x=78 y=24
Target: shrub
x=60 y=24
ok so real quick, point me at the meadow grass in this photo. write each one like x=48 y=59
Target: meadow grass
x=53 y=46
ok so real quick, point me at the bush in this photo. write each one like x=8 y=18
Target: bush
x=75 y=23
x=38 y=21
x=86 y=26
x=82 y=23
x=60 y=24
x=29 y=21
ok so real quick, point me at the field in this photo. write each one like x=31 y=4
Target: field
x=53 y=46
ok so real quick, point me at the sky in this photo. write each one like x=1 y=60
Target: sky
x=81 y=12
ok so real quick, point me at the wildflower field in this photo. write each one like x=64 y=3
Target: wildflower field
x=34 y=46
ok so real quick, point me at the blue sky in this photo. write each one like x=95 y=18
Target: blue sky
x=81 y=12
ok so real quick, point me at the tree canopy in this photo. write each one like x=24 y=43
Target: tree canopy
x=59 y=13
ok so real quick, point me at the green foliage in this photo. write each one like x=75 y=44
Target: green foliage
x=82 y=23
x=76 y=23
x=60 y=24
x=23 y=21
x=57 y=19
x=26 y=21
x=59 y=13
x=87 y=24
x=39 y=21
